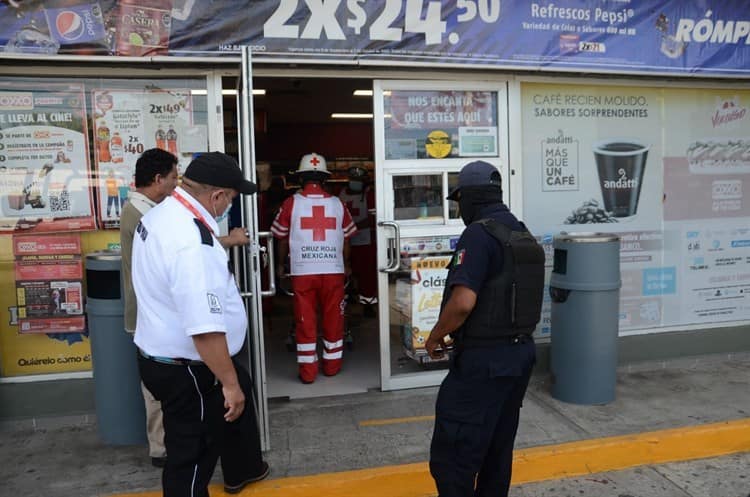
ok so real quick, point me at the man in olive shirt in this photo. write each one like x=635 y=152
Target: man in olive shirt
x=155 y=178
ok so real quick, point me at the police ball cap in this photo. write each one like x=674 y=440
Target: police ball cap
x=219 y=169
x=477 y=173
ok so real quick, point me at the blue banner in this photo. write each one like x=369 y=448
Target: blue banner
x=706 y=37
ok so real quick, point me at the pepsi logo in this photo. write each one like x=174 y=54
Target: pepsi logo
x=70 y=25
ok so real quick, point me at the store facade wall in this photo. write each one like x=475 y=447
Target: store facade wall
x=679 y=201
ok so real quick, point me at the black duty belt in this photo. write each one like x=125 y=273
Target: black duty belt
x=178 y=361
x=473 y=342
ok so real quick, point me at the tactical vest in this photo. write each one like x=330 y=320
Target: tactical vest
x=510 y=302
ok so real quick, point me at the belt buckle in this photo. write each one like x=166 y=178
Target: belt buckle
x=516 y=339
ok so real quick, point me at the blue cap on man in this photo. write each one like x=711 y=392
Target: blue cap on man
x=477 y=173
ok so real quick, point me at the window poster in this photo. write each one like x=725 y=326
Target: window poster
x=49 y=284
x=706 y=175
x=662 y=168
x=126 y=123
x=440 y=124
x=44 y=160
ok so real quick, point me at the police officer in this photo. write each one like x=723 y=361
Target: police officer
x=491 y=304
x=190 y=324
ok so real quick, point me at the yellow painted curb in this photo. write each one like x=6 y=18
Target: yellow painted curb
x=533 y=464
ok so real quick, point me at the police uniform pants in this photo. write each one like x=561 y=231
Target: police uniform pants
x=324 y=291
x=196 y=434
x=476 y=418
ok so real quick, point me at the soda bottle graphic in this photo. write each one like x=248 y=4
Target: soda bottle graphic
x=161 y=139
x=172 y=140
x=102 y=143
x=116 y=148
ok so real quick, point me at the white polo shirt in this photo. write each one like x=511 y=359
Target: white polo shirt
x=183 y=286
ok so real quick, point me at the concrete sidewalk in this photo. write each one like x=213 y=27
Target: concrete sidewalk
x=389 y=433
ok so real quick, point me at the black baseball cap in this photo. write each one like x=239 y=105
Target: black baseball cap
x=219 y=169
x=477 y=173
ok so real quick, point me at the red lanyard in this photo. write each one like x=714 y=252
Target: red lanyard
x=192 y=209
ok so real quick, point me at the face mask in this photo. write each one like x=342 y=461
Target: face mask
x=356 y=186
x=223 y=215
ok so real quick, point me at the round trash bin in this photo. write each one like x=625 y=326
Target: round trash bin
x=585 y=292
x=120 y=411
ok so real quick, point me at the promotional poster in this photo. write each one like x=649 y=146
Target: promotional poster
x=44 y=160
x=129 y=122
x=641 y=36
x=666 y=177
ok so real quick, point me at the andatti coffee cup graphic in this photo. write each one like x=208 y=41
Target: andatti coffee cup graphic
x=621 y=164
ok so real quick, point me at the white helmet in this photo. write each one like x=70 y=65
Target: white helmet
x=312 y=163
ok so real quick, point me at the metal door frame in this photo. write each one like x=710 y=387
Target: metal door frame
x=256 y=257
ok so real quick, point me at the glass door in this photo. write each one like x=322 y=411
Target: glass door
x=425 y=131
x=256 y=259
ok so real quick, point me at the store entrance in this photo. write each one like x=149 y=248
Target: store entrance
x=294 y=117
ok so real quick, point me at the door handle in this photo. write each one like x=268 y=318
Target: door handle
x=395 y=261
x=268 y=261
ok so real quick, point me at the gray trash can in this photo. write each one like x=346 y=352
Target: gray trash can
x=585 y=291
x=120 y=412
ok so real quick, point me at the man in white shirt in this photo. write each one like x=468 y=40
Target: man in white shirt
x=191 y=323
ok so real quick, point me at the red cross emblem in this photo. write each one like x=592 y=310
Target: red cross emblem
x=352 y=210
x=318 y=223
x=315 y=161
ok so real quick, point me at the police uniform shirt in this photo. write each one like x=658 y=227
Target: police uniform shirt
x=478 y=254
x=183 y=285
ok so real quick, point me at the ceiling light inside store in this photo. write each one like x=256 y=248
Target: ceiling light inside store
x=368 y=93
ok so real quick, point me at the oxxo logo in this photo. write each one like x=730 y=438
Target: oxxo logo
x=26 y=246
x=16 y=101
x=72 y=26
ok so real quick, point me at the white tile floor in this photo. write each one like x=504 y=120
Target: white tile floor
x=360 y=372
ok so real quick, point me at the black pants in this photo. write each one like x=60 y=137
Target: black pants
x=476 y=418
x=195 y=432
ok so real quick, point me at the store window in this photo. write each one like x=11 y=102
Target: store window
x=68 y=148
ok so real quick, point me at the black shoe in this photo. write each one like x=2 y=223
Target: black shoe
x=369 y=311
x=235 y=489
x=159 y=462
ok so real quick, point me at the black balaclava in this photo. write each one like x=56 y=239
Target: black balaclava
x=475 y=198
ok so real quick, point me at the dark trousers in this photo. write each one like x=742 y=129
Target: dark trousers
x=195 y=432
x=476 y=418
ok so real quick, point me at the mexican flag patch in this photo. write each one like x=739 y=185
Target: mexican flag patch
x=458 y=259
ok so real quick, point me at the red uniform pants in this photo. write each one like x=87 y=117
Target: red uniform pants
x=324 y=292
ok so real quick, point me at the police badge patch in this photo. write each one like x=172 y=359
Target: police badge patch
x=214 y=304
x=458 y=259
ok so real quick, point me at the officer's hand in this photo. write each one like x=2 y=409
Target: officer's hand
x=434 y=347
x=238 y=236
x=234 y=402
